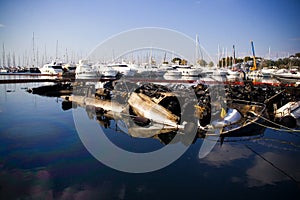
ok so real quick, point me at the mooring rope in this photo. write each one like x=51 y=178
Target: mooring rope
x=289 y=130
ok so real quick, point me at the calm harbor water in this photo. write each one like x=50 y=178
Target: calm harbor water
x=42 y=157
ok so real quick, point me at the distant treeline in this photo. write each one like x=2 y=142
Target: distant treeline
x=293 y=60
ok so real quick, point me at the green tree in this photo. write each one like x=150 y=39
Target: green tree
x=247 y=58
x=230 y=61
x=211 y=64
x=174 y=60
x=264 y=63
x=222 y=62
x=202 y=62
x=183 y=62
x=297 y=55
x=239 y=60
x=286 y=61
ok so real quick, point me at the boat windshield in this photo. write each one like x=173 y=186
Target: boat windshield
x=56 y=67
x=71 y=68
x=119 y=65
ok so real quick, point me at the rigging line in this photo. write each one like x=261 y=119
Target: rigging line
x=277 y=129
x=293 y=130
x=280 y=170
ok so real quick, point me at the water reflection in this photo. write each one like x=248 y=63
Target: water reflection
x=225 y=155
x=43 y=158
x=270 y=168
x=267 y=168
x=141 y=111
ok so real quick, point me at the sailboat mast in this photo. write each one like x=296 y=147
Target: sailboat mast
x=19 y=60
x=14 y=59
x=56 y=51
x=33 y=50
x=223 y=53
x=226 y=58
x=197 y=49
x=150 y=57
x=37 y=56
x=165 y=56
x=8 y=60
x=233 y=47
x=3 y=54
x=218 y=63
x=67 y=57
x=46 y=59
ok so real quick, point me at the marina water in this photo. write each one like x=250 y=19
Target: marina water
x=42 y=157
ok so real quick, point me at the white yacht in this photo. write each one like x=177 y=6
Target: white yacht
x=213 y=71
x=54 y=68
x=287 y=73
x=106 y=71
x=220 y=72
x=172 y=72
x=84 y=70
x=169 y=70
x=255 y=74
x=267 y=72
x=187 y=70
x=233 y=75
x=147 y=69
x=3 y=70
x=123 y=69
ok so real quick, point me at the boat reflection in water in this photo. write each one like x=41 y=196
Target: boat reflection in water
x=147 y=110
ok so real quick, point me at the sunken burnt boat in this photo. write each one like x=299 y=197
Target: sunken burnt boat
x=243 y=118
x=147 y=111
x=154 y=110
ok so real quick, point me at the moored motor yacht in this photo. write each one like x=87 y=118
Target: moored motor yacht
x=84 y=70
x=233 y=75
x=187 y=70
x=54 y=68
x=123 y=68
x=106 y=71
x=288 y=74
x=267 y=72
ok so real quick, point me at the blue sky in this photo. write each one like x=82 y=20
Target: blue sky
x=80 y=25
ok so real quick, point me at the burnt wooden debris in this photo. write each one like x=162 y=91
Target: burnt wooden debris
x=173 y=102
